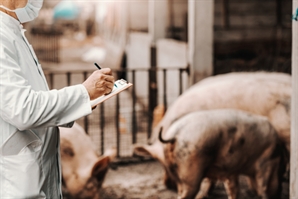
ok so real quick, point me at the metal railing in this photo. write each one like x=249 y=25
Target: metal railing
x=104 y=124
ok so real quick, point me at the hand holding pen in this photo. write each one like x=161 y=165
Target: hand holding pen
x=99 y=83
x=99 y=68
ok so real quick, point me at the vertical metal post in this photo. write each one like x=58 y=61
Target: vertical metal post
x=294 y=106
x=180 y=81
x=86 y=122
x=102 y=126
x=68 y=78
x=165 y=88
x=134 y=118
x=152 y=89
x=117 y=125
x=51 y=80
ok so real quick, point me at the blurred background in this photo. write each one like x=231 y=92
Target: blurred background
x=162 y=47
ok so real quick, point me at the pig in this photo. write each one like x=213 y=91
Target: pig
x=262 y=93
x=221 y=145
x=83 y=170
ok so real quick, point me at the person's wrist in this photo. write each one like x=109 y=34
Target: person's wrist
x=88 y=91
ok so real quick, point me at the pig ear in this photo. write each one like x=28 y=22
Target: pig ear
x=154 y=151
x=101 y=167
x=141 y=150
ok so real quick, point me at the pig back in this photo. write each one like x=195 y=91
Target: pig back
x=233 y=139
x=267 y=94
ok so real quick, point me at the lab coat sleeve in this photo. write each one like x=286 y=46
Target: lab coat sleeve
x=68 y=125
x=26 y=108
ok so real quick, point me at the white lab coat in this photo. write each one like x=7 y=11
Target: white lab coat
x=30 y=114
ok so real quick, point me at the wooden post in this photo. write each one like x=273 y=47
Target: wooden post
x=294 y=109
x=200 y=38
x=158 y=19
x=124 y=26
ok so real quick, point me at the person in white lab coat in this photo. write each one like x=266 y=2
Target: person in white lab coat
x=30 y=112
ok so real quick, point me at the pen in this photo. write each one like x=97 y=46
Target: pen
x=97 y=66
x=100 y=68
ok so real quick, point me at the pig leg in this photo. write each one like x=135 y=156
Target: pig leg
x=191 y=177
x=205 y=187
x=231 y=186
x=169 y=182
x=274 y=186
x=266 y=176
x=189 y=190
x=268 y=179
x=261 y=186
x=252 y=185
x=189 y=183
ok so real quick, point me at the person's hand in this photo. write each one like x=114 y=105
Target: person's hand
x=99 y=83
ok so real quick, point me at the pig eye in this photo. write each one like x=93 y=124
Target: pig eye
x=68 y=151
x=66 y=148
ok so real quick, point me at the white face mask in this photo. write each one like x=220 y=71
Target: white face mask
x=29 y=12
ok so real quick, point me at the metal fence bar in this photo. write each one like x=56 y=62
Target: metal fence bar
x=165 y=88
x=102 y=127
x=117 y=125
x=150 y=105
x=180 y=81
x=68 y=78
x=86 y=121
x=51 y=75
x=134 y=102
x=82 y=71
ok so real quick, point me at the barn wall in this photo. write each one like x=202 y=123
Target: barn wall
x=252 y=35
x=138 y=15
x=249 y=35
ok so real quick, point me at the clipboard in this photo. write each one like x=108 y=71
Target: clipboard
x=119 y=85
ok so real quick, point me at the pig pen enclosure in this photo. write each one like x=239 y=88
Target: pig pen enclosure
x=246 y=38
x=125 y=120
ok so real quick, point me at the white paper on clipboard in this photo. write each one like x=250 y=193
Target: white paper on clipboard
x=119 y=86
